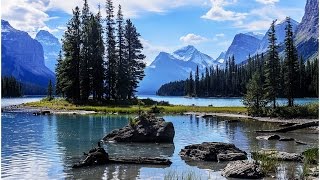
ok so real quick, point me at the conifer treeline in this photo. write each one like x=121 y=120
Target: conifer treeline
x=10 y=87
x=109 y=69
x=289 y=77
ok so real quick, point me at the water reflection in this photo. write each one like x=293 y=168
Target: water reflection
x=46 y=147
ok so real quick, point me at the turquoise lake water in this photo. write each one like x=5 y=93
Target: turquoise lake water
x=46 y=147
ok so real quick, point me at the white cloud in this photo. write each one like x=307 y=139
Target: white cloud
x=218 y=13
x=26 y=15
x=220 y=35
x=192 y=39
x=267 y=1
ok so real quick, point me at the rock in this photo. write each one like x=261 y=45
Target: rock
x=282 y=156
x=287 y=124
x=96 y=156
x=286 y=139
x=231 y=156
x=301 y=143
x=146 y=128
x=213 y=151
x=242 y=169
x=269 y=137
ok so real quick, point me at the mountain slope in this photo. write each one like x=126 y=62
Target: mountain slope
x=172 y=67
x=51 y=47
x=280 y=34
x=241 y=46
x=307 y=33
x=22 y=57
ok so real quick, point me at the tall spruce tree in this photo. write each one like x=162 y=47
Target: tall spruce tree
x=272 y=67
x=191 y=85
x=85 y=54
x=50 y=91
x=302 y=78
x=122 y=76
x=134 y=58
x=97 y=65
x=60 y=80
x=197 y=82
x=71 y=48
x=291 y=66
x=112 y=63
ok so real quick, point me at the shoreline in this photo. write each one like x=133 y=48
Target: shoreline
x=238 y=115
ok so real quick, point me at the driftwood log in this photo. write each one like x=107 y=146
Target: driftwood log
x=291 y=128
x=140 y=160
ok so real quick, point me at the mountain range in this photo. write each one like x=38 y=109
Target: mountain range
x=172 y=67
x=23 y=58
x=51 y=47
x=175 y=66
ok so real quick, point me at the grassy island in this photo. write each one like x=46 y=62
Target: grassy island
x=146 y=105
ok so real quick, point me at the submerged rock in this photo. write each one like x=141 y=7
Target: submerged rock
x=243 y=169
x=269 y=137
x=146 y=128
x=283 y=156
x=213 y=151
x=96 y=156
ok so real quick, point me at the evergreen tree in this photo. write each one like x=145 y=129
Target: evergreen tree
x=71 y=49
x=97 y=67
x=197 y=82
x=302 y=78
x=134 y=58
x=254 y=97
x=191 y=85
x=60 y=80
x=122 y=77
x=272 y=68
x=291 y=67
x=111 y=52
x=10 y=87
x=85 y=54
x=50 y=91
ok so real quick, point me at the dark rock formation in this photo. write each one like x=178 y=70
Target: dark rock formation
x=213 y=151
x=282 y=156
x=146 y=128
x=269 y=137
x=242 y=169
x=96 y=156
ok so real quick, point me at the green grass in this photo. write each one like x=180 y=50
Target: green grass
x=268 y=164
x=61 y=104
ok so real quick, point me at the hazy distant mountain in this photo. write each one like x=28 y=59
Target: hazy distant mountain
x=241 y=46
x=307 y=34
x=171 y=67
x=280 y=34
x=51 y=47
x=22 y=57
x=221 y=57
x=255 y=34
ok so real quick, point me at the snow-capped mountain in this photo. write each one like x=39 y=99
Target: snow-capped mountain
x=172 y=67
x=221 y=57
x=307 y=34
x=22 y=57
x=280 y=34
x=241 y=46
x=255 y=34
x=51 y=47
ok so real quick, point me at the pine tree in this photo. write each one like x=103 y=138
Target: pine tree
x=85 y=54
x=254 y=97
x=60 y=83
x=302 y=78
x=291 y=67
x=197 y=82
x=272 y=69
x=96 y=49
x=122 y=77
x=50 y=91
x=71 y=49
x=112 y=63
x=191 y=85
x=134 y=57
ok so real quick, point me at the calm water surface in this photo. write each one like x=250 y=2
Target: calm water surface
x=45 y=147
x=179 y=100
x=15 y=101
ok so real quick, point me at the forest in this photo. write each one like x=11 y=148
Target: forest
x=10 y=87
x=102 y=62
x=289 y=77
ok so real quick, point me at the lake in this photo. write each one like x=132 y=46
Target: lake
x=217 y=101
x=45 y=147
x=175 y=100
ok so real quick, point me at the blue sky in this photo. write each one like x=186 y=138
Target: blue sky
x=164 y=25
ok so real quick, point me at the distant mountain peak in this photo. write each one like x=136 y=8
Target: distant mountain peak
x=6 y=26
x=257 y=35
